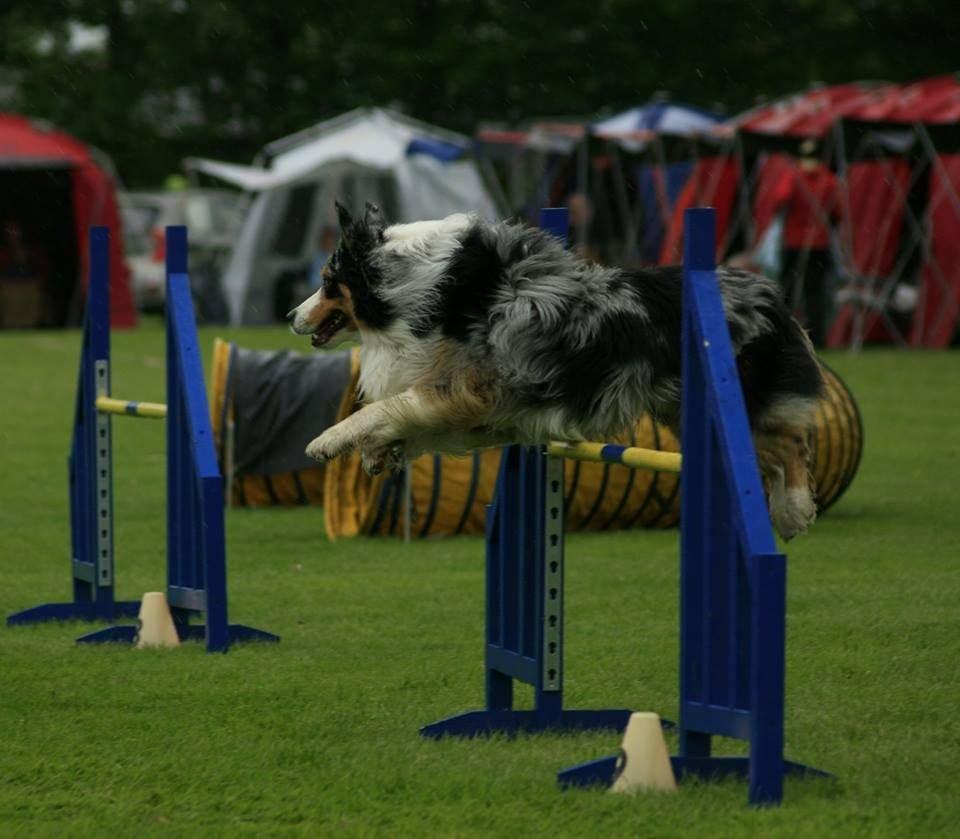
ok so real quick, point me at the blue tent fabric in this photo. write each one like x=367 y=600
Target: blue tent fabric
x=441 y=150
x=658 y=185
x=667 y=117
x=673 y=177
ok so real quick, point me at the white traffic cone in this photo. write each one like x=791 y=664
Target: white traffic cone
x=643 y=762
x=155 y=623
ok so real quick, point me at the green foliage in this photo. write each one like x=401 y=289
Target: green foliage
x=318 y=735
x=223 y=78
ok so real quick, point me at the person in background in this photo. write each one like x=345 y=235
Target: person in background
x=327 y=244
x=811 y=198
x=23 y=279
x=580 y=223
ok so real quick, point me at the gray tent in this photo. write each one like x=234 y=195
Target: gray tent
x=414 y=171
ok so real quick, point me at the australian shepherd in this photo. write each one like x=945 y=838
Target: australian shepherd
x=476 y=335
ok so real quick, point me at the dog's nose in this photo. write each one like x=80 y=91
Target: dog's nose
x=291 y=315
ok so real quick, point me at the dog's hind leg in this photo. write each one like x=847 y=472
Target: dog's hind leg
x=783 y=455
x=385 y=458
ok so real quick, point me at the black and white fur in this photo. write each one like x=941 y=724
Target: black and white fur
x=476 y=335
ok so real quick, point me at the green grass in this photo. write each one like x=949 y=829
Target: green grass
x=318 y=735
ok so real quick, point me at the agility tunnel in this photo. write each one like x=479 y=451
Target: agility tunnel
x=195 y=574
x=261 y=446
x=267 y=405
x=838 y=442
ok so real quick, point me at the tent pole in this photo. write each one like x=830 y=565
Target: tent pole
x=623 y=202
x=583 y=174
x=745 y=217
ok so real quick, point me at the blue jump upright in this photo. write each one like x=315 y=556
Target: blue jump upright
x=524 y=598
x=524 y=609
x=90 y=468
x=732 y=578
x=196 y=556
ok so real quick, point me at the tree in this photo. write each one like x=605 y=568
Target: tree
x=223 y=78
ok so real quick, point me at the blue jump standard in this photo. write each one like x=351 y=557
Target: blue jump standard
x=524 y=596
x=732 y=578
x=524 y=609
x=196 y=556
x=603 y=772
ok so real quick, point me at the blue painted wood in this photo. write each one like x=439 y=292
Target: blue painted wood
x=602 y=772
x=91 y=570
x=767 y=657
x=196 y=554
x=196 y=559
x=730 y=527
x=71 y=611
x=556 y=222
x=732 y=578
x=519 y=609
x=612 y=452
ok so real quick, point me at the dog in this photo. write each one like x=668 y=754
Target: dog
x=476 y=335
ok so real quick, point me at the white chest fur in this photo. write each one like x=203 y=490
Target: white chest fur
x=392 y=361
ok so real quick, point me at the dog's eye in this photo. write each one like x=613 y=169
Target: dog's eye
x=331 y=288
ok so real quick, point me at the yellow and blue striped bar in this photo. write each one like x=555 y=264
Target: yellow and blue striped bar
x=625 y=455
x=109 y=405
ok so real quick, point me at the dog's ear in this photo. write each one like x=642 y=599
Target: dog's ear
x=374 y=220
x=346 y=222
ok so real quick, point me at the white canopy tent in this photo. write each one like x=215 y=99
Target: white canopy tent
x=413 y=170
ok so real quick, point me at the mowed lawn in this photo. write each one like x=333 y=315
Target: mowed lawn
x=318 y=735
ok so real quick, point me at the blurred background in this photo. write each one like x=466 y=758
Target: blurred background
x=825 y=132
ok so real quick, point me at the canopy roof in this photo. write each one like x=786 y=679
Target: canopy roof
x=371 y=137
x=632 y=128
x=896 y=153
x=413 y=170
x=33 y=144
x=811 y=113
x=635 y=127
x=25 y=142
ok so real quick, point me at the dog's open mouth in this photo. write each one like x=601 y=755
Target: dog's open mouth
x=330 y=327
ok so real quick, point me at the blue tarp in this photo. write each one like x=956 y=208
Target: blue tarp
x=432 y=147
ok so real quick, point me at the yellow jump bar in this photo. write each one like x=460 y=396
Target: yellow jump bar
x=108 y=405
x=624 y=455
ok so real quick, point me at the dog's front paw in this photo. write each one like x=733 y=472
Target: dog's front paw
x=332 y=443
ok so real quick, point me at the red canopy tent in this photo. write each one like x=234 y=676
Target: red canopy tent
x=896 y=152
x=912 y=139
x=53 y=188
x=758 y=158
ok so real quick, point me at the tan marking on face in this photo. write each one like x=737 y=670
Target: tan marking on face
x=328 y=305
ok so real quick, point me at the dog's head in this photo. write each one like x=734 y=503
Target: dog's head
x=347 y=297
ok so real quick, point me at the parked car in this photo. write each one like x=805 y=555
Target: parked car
x=213 y=218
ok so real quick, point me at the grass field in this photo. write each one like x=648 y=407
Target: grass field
x=318 y=735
